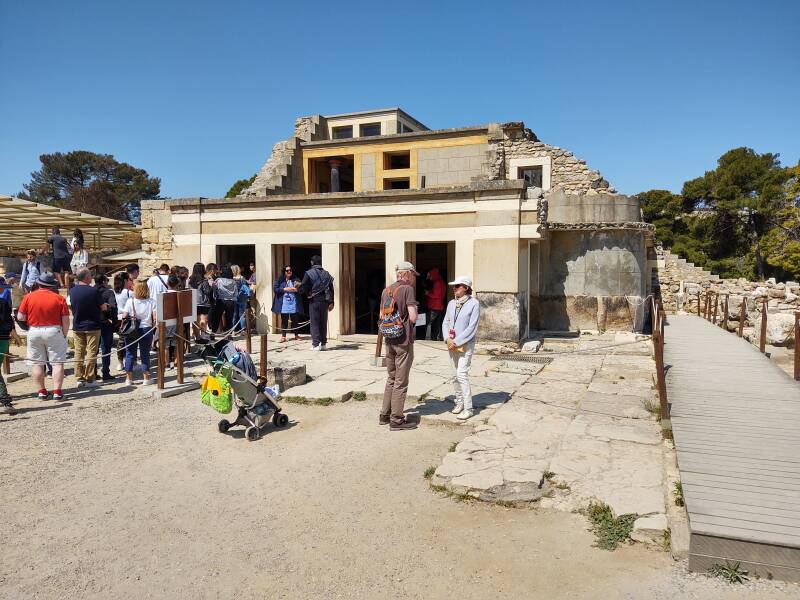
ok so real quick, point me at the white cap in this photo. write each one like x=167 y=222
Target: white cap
x=406 y=266
x=462 y=280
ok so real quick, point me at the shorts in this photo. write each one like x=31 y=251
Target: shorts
x=203 y=310
x=61 y=265
x=46 y=344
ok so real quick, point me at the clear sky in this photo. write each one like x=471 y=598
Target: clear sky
x=196 y=92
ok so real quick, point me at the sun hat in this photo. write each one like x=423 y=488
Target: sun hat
x=406 y=266
x=47 y=279
x=462 y=280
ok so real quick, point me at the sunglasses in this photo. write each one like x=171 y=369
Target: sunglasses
x=287 y=270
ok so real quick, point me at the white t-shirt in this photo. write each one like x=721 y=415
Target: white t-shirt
x=122 y=298
x=156 y=286
x=142 y=310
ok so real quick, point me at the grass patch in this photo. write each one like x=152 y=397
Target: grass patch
x=563 y=485
x=667 y=540
x=677 y=492
x=548 y=476
x=609 y=531
x=304 y=400
x=359 y=396
x=429 y=472
x=453 y=447
x=730 y=572
x=653 y=407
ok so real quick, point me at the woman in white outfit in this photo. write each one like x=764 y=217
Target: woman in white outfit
x=459 y=328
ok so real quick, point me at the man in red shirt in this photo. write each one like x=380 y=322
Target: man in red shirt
x=46 y=314
x=435 y=300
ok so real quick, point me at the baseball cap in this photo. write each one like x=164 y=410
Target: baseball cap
x=406 y=266
x=462 y=280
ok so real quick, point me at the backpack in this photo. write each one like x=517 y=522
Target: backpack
x=390 y=324
x=244 y=290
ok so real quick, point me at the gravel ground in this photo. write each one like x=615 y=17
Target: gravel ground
x=112 y=494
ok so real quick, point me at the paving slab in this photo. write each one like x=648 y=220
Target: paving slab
x=316 y=391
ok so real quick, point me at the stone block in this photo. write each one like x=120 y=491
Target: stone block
x=650 y=530
x=324 y=390
x=531 y=346
x=286 y=374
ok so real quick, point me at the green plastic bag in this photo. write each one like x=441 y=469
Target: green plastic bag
x=216 y=392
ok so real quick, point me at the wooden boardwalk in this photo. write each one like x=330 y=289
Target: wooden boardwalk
x=736 y=424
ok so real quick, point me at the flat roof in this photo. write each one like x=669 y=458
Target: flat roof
x=25 y=225
x=380 y=139
x=378 y=111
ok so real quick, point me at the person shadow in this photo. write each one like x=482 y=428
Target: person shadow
x=438 y=406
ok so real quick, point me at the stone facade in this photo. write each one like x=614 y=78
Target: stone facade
x=679 y=282
x=157 y=242
x=567 y=171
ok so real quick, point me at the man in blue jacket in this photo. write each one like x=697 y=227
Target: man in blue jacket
x=459 y=329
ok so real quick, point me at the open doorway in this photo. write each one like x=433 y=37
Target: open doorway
x=299 y=259
x=242 y=255
x=363 y=278
x=429 y=257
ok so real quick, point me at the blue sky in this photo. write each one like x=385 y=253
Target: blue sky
x=649 y=93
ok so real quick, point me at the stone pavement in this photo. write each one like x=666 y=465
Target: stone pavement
x=576 y=432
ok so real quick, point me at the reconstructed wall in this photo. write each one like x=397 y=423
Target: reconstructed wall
x=591 y=279
x=456 y=165
x=157 y=240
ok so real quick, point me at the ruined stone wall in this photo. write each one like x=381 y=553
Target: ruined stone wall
x=679 y=281
x=156 y=234
x=283 y=170
x=566 y=170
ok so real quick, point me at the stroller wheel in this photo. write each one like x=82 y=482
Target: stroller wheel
x=252 y=434
x=223 y=426
x=280 y=420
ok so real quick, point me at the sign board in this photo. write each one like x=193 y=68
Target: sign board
x=167 y=307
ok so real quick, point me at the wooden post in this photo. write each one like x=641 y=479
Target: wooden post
x=179 y=331
x=707 y=306
x=658 y=351
x=716 y=302
x=248 y=331
x=742 y=316
x=7 y=364
x=698 y=304
x=162 y=356
x=762 y=343
x=797 y=346
x=725 y=312
x=262 y=363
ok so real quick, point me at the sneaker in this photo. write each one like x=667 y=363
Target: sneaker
x=92 y=384
x=58 y=395
x=383 y=419
x=457 y=408
x=403 y=425
x=323 y=347
x=43 y=395
x=109 y=377
x=147 y=382
x=316 y=348
x=6 y=408
x=466 y=414
x=81 y=383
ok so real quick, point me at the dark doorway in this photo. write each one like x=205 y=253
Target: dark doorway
x=369 y=281
x=427 y=256
x=300 y=258
x=241 y=255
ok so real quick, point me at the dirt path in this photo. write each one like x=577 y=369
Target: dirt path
x=131 y=498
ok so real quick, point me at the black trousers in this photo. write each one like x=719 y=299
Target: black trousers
x=436 y=317
x=285 y=317
x=318 y=313
x=222 y=307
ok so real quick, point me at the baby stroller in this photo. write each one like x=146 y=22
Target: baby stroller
x=251 y=397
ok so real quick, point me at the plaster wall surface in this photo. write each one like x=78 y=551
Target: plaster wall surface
x=456 y=165
x=596 y=208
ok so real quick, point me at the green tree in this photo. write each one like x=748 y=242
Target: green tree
x=661 y=208
x=91 y=183
x=238 y=187
x=742 y=196
x=782 y=242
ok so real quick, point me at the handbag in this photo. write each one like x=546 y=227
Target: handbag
x=128 y=326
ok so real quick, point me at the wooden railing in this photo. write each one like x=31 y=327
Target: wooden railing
x=709 y=313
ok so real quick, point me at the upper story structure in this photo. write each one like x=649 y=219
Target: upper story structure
x=388 y=149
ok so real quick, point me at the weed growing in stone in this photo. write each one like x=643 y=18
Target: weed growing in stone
x=429 y=472
x=359 y=396
x=678 y=493
x=609 y=531
x=730 y=572
x=563 y=485
x=667 y=540
x=653 y=407
x=453 y=447
x=548 y=476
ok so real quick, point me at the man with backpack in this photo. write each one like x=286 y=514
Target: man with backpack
x=398 y=316
x=317 y=286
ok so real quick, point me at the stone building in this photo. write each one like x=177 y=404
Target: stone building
x=547 y=241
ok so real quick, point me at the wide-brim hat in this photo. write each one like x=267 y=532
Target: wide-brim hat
x=47 y=279
x=462 y=280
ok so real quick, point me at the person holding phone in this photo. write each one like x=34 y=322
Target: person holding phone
x=287 y=302
x=459 y=329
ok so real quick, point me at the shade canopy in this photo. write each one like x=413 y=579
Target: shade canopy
x=27 y=225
